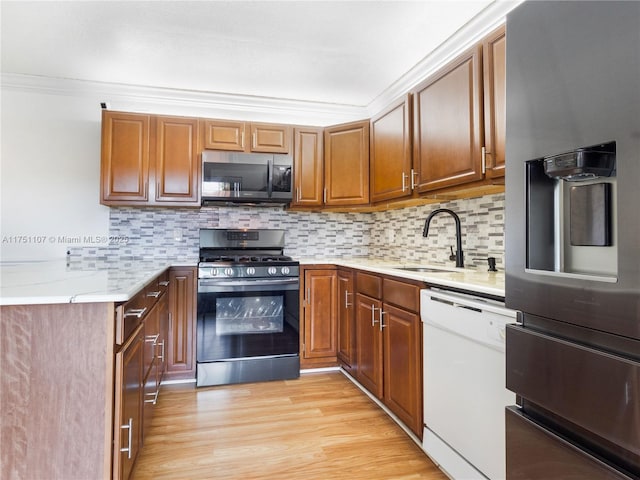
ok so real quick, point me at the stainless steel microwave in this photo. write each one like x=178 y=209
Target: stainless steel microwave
x=258 y=178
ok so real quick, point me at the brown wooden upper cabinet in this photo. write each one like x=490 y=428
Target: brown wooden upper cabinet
x=177 y=167
x=346 y=164
x=124 y=168
x=246 y=136
x=149 y=160
x=494 y=50
x=390 y=155
x=459 y=119
x=448 y=124
x=308 y=167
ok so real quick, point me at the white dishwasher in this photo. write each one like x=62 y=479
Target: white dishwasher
x=464 y=383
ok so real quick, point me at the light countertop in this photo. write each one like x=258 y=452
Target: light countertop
x=474 y=281
x=118 y=280
x=47 y=282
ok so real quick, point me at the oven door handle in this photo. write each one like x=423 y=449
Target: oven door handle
x=209 y=286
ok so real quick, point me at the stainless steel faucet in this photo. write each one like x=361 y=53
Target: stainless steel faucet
x=459 y=255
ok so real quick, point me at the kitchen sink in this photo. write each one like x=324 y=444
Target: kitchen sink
x=425 y=269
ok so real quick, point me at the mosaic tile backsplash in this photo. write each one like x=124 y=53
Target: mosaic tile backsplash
x=394 y=235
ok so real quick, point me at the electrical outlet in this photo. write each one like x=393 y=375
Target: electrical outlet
x=177 y=234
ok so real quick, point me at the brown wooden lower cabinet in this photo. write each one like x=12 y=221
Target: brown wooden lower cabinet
x=346 y=320
x=319 y=310
x=180 y=348
x=369 y=344
x=389 y=345
x=127 y=426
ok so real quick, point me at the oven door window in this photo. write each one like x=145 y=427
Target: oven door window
x=244 y=315
x=235 y=325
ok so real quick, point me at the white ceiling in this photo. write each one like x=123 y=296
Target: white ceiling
x=344 y=52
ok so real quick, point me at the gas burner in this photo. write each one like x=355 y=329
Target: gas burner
x=275 y=258
x=216 y=258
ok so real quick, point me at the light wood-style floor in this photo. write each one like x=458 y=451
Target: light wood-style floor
x=318 y=427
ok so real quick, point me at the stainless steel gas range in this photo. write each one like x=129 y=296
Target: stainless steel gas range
x=248 y=308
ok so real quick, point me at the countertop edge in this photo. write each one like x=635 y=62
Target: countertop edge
x=390 y=268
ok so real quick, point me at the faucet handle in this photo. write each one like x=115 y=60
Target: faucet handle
x=452 y=257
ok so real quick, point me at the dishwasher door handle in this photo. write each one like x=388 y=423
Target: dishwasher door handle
x=469 y=302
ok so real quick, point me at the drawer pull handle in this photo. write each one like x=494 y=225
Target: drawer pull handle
x=135 y=312
x=153 y=400
x=164 y=283
x=154 y=294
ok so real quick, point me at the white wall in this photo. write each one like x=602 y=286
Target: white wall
x=49 y=174
x=50 y=153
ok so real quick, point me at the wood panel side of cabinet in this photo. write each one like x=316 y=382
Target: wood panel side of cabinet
x=308 y=167
x=124 y=166
x=495 y=123
x=320 y=314
x=402 y=366
x=56 y=390
x=346 y=164
x=390 y=152
x=448 y=129
x=182 y=324
x=177 y=166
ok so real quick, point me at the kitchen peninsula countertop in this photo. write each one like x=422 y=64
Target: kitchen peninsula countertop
x=467 y=279
x=55 y=281
x=118 y=280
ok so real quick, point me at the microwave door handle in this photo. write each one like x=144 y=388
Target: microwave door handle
x=270 y=177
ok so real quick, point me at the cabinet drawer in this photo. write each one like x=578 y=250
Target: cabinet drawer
x=370 y=285
x=400 y=294
x=129 y=315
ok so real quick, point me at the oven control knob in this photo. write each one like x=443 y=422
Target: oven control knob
x=213 y=272
x=272 y=270
x=228 y=272
x=285 y=270
x=251 y=271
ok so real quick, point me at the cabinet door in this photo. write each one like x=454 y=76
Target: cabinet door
x=128 y=405
x=308 y=168
x=369 y=344
x=346 y=164
x=161 y=347
x=124 y=168
x=390 y=160
x=320 y=313
x=176 y=160
x=346 y=326
x=447 y=125
x=403 y=366
x=151 y=336
x=182 y=317
x=494 y=51
x=224 y=135
x=270 y=138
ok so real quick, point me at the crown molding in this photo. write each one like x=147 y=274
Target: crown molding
x=470 y=34
x=133 y=98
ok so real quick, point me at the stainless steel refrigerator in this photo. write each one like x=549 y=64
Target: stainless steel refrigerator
x=573 y=240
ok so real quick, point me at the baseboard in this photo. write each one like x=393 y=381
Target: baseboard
x=383 y=407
